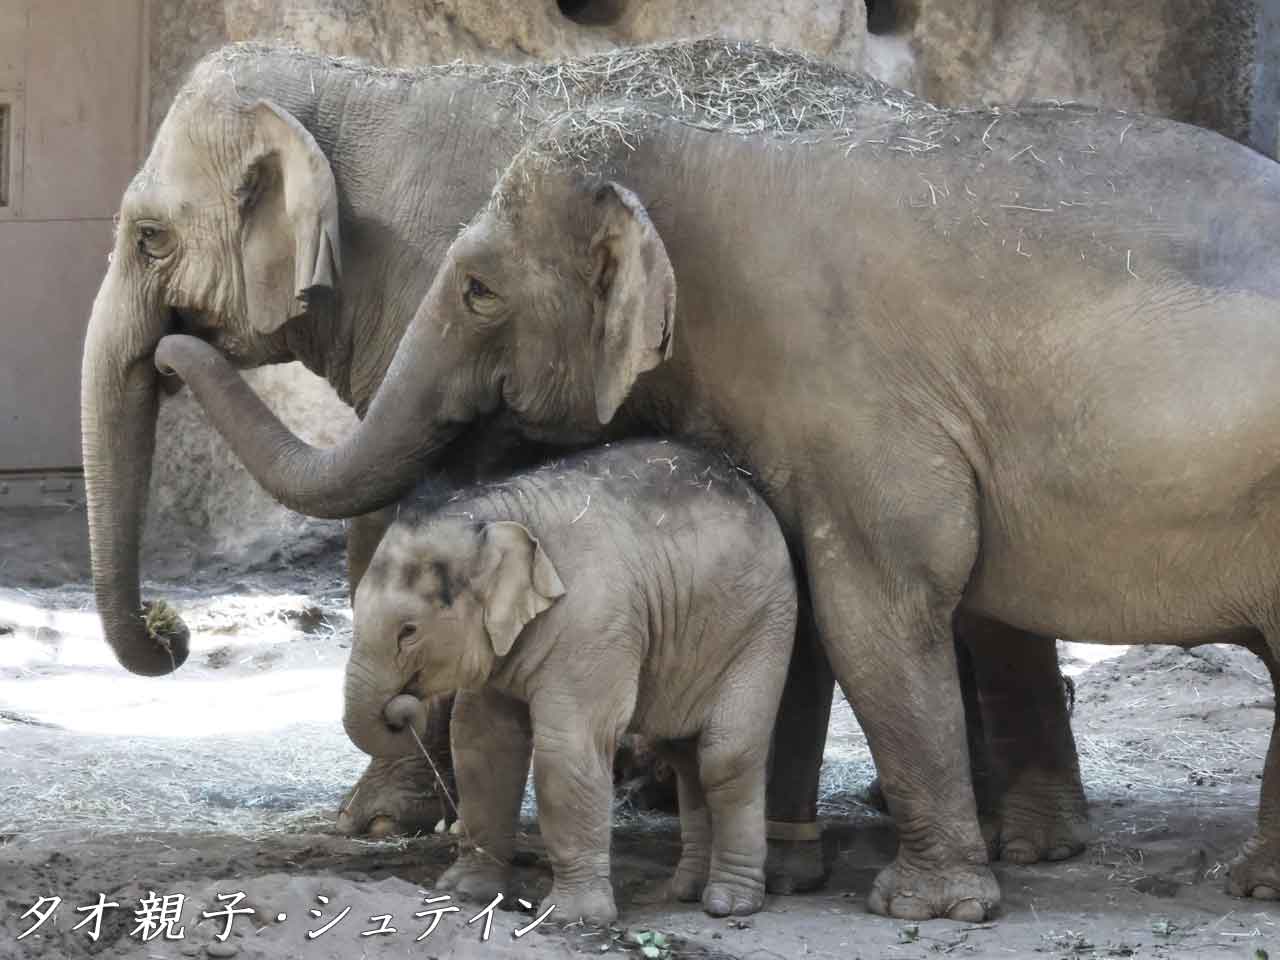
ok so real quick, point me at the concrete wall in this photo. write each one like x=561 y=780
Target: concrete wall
x=71 y=77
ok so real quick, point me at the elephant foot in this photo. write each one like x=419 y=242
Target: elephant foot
x=1045 y=820
x=796 y=861
x=966 y=892
x=690 y=878
x=593 y=904
x=1256 y=871
x=398 y=797
x=474 y=876
x=732 y=898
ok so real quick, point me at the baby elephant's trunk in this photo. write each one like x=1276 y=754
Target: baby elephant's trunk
x=406 y=712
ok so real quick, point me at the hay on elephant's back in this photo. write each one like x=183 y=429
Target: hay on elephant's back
x=734 y=86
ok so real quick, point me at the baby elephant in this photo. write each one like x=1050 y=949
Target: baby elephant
x=639 y=587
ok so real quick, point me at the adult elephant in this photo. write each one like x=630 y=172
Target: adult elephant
x=296 y=207
x=1019 y=366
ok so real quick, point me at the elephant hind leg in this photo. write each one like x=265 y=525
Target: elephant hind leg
x=1256 y=871
x=1033 y=801
x=690 y=878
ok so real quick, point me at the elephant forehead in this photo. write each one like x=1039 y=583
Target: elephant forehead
x=417 y=559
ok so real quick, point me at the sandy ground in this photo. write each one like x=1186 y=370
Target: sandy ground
x=224 y=778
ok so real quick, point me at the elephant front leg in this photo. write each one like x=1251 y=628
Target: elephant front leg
x=795 y=862
x=403 y=796
x=491 y=748
x=884 y=597
x=1035 y=807
x=574 y=786
x=1256 y=871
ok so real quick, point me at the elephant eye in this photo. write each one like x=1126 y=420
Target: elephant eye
x=407 y=634
x=153 y=239
x=479 y=298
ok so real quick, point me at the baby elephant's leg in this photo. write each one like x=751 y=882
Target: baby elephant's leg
x=733 y=751
x=491 y=746
x=573 y=779
x=690 y=878
x=732 y=770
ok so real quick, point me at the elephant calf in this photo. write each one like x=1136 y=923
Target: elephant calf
x=638 y=587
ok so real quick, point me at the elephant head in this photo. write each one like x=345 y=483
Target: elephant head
x=229 y=230
x=439 y=604
x=547 y=308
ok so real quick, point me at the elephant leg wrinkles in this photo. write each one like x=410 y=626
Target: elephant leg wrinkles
x=492 y=745
x=1034 y=805
x=884 y=599
x=690 y=877
x=573 y=781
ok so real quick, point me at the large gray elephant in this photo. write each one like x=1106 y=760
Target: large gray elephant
x=1022 y=365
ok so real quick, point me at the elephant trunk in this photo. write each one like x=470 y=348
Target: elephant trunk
x=118 y=407
x=377 y=717
x=375 y=466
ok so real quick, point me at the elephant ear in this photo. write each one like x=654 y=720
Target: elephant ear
x=520 y=582
x=289 y=203
x=634 y=297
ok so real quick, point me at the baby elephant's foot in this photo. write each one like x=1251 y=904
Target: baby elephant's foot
x=966 y=892
x=393 y=798
x=690 y=878
x=474 y=876
x=1256 y=871
x=593 y=903
x=732 y=898
x=795 y=862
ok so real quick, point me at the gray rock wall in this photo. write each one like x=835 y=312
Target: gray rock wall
x=1192 y=60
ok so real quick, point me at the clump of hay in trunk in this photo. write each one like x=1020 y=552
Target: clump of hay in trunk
x=164 y=625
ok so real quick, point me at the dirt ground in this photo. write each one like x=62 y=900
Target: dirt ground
x=224 y=778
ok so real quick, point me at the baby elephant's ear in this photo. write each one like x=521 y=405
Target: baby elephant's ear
x=635 y=296
x=521 y=582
